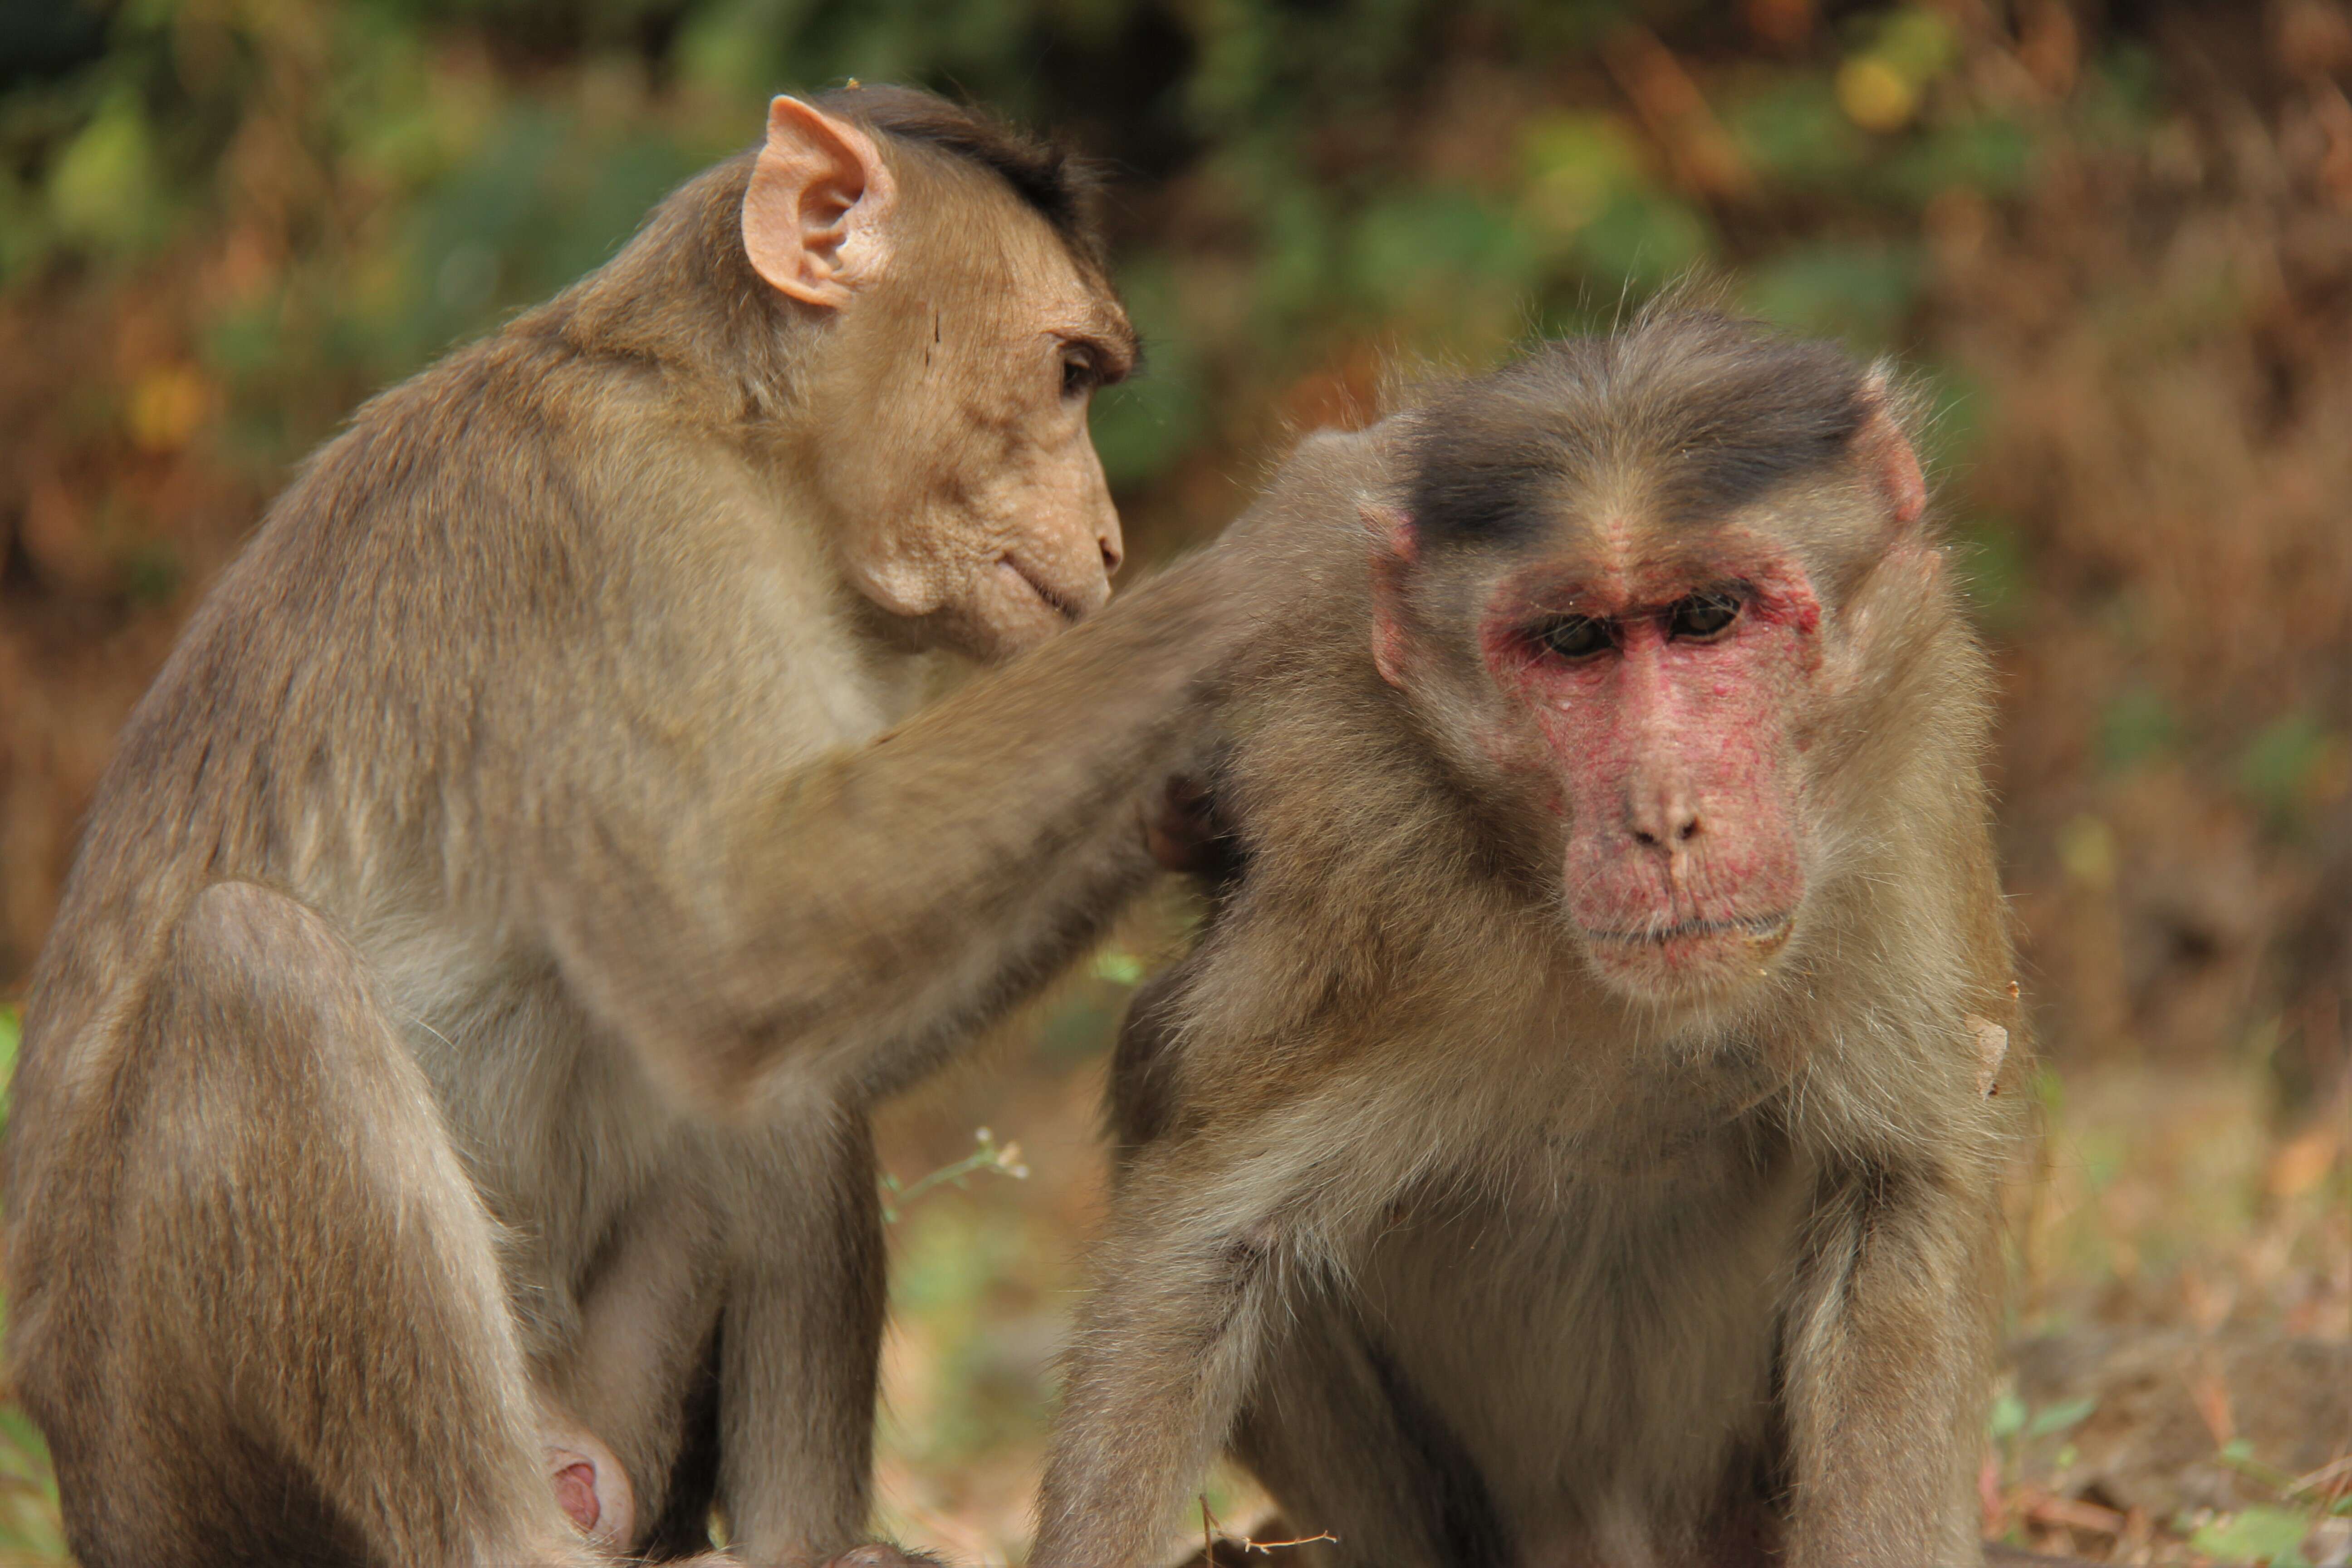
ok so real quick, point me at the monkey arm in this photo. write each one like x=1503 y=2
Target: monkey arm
x=1162 y=1357
x=1155 y=1378
x=746 y=913
x=1211 y=1234
x=858 y=912
x=1888 y=1347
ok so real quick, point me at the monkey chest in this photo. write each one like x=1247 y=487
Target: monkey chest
x=1594 y=1341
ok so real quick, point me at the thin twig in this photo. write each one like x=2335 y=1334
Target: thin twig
x=1211 y=1527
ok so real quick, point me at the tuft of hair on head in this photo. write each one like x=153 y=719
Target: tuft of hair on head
x=1047 y=175
x=1717 y=410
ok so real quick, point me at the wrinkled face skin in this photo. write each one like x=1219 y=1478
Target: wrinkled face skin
x=1665 y=693
x=1650 y=703
x=973 y=497
x=960 y=344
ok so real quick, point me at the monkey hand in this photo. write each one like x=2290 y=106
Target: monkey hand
x=882 y=1555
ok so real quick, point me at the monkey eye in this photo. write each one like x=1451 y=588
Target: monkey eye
x=1702 y=616
x=1575 y=637
x=1080 y=370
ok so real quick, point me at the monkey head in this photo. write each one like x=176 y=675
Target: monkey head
x=1611 y=593
x=960 y=333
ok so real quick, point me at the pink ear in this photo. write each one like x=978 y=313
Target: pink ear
x=1395 y=550
x=1885 y=452
x=814 y=214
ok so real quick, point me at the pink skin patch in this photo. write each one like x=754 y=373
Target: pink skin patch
x=1675 y=755
x=575 y=1489
x=591 y=1488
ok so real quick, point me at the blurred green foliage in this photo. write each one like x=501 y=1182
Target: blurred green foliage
x=383 y=177
x=28 y=1492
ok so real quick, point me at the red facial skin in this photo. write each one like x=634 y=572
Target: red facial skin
x=1675 y=757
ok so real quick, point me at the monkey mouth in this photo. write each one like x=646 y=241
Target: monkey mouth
x=1060 y=604
x=1762 y=935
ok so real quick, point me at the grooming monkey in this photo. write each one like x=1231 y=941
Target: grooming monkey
x=441 y=1133
x=1570 y=1141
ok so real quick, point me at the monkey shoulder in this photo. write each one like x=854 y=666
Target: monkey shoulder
x=1305 y=525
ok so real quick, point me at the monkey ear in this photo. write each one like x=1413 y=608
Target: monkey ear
x=813 y=218
x=1394 y=549
x=1885 y=454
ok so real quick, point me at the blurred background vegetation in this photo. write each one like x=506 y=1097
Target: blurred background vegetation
x=2114 y=240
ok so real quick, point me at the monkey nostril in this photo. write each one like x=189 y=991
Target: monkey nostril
x=1111 y=558
x=1643 y=836
x=1689 y=830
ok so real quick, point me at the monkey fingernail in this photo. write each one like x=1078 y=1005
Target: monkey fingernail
x=1992 y=1046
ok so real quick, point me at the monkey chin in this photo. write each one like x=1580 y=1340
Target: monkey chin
x=1692 y=962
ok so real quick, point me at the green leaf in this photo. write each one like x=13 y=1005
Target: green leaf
x=1862 y=294
x=1407 y=244
x=1991 y=155
x=2138 y=726
x=2290 y=763
x=101 y=188
x=1119 y=966
x=1794 y=132
x=12 y=1034
x=2271 y=1535
x=2007 y=1416
x=1644 y=239
x=2060 y=1418
x=1917 y=42
x=1143 y=425
x=1992 y=564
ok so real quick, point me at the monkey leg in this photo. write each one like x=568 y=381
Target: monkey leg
x=1338 y=1435
x=641 y=1376
x=1142 y=1088
x=1888 y=1368
x=801 y=1335
x=309 y=1319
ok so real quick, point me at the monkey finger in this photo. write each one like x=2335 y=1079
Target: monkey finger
x=1991 y=1042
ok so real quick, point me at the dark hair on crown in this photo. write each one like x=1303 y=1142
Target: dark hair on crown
x=1047 y=175
x=1717 y=410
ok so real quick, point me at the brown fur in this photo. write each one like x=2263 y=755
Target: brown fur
x=500 y=914
x=1477 y=1260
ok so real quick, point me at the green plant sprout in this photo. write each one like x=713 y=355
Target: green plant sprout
x=1119 y=966
x=2259 y=1534
x=2275 y=1532
x=12 y=1034
x=1005 y=1159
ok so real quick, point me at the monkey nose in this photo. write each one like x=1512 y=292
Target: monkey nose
x=1666 y=823
x=1113 y=548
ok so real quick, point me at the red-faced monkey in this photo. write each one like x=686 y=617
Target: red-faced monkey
x=441 y=1137
x=1570 y=1141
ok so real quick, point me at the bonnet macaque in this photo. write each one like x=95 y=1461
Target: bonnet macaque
x=441 y=1138
x=1570 y=1141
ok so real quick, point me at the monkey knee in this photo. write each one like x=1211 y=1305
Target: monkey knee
x=243 y=926
x=257 y=975
x=243 y=947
